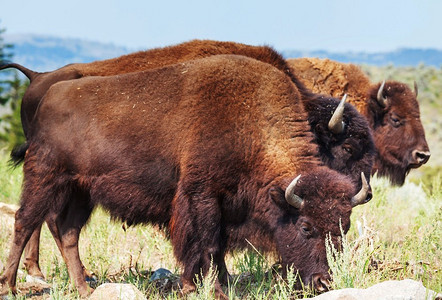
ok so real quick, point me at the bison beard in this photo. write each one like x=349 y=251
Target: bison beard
x=205 y=147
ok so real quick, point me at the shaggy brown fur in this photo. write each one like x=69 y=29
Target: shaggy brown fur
x=397 y=130
x=350 y=152
x=205 y=148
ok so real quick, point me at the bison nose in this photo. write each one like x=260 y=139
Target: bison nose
x=321 y=282
x=420 y=157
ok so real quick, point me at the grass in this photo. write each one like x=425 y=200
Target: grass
x=397 y=235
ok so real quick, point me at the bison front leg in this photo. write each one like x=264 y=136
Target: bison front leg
x=196 y=237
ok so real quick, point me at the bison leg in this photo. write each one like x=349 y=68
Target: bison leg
x=66 y=229
x=21 y=236
x=27 y=219
x=223 y=276
x=36 y=201
x=32 y=251
x=196 y=235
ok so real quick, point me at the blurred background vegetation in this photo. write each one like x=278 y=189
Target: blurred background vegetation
x=12 y=89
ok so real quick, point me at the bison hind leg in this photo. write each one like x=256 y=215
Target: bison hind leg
x=35 y=205
x=32 y=253
x=65 y=228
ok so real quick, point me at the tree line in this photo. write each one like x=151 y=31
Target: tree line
x=12 y=88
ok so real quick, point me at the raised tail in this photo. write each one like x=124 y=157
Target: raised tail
x=28 y=73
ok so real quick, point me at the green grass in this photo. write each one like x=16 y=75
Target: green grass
x=10 y=179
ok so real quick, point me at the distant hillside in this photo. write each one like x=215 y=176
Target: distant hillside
x=45 y=53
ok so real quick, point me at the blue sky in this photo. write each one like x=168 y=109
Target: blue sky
x=341 y=25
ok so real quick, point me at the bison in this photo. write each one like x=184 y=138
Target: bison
x=350 y=150
x=217 y=150
x=391 y=109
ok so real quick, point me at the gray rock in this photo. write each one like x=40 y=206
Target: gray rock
x=160 y=274
x=117 y=291
x=388 y=290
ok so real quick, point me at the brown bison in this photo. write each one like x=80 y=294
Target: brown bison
x=212 y=149
x=349 y=150
x=391 y=109
x=331 y=135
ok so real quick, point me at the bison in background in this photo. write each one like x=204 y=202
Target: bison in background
x=217 y=150
x=391 y=109
x=349 y=150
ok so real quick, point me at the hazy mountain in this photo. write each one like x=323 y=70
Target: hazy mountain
x=45 y=53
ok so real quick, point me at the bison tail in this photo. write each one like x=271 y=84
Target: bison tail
x=29 y=73
x=18 y=154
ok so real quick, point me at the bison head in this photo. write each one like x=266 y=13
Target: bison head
x=398 y=133
x=307 y=216
x=347 y=145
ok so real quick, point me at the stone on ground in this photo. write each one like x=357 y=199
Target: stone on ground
x=388 y=290
x=117 y=291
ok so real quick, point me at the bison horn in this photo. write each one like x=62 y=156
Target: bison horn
x=290 y=196
x=381 y=99
x=415 y=88
x=361 y=196
x=336 y=123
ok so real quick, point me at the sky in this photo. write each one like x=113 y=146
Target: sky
x=333 y=25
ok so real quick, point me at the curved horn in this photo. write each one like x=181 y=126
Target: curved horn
x=336 y=123
x=290 y=196
x=381 y=99
x=415 y=88
x=361 y=196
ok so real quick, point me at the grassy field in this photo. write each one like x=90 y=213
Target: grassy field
x=397 y=235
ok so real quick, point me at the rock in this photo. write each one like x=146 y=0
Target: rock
x=117 y=291
x=8 y=209
x=35 y=279
x=388 y=290
x=160 y=274
x=7 y=215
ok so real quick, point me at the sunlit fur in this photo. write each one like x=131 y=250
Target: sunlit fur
x=153 y=58
x=205 y=148
x=319 y=112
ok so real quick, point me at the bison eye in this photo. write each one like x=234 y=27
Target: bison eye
x=306 y=228
x=395 y=121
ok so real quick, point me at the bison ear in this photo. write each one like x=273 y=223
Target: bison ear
x=278 y=196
